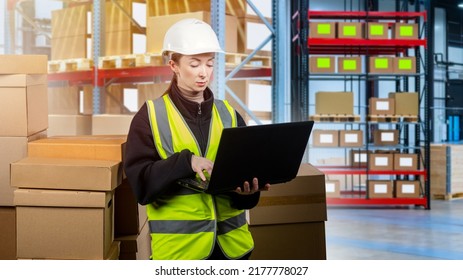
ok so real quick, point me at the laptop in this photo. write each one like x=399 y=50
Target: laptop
x=272 y=153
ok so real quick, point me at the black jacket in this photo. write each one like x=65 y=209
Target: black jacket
x=149 y=175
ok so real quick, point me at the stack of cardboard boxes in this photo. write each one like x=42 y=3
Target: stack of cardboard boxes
x=72 y=199
x=23 y=115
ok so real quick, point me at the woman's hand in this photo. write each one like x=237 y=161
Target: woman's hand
x=201 y=165
x=247 y=189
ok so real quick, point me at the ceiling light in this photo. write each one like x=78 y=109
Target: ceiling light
x=460 y=5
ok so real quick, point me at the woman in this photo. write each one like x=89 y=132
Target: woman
x=176 y=136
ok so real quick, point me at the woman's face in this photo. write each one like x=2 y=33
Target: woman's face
x=194 y=72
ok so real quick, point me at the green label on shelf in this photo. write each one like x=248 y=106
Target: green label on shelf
x=349 y=64
x=349 y=31
x=376 y=29
x=405 y=64
x=406 y=31
x=381 y=63
x=324 y=28
x=323 y=62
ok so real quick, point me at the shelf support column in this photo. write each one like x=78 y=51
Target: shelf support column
x=218 y=24
x=98 y=42
x=281 y=68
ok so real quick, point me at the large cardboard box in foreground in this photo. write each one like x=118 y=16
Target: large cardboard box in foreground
x=66 y=174
x=289 y=221
x=7 y=233
x=69 y=125
x=63 y=224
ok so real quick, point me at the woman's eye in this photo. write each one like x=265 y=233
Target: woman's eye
x=194 y=65
x=210 y=65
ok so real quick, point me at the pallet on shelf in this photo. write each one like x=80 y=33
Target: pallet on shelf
x=70 y=65
x=449 y=196
x=392 y=118
x=334 y=118
x=233 y=59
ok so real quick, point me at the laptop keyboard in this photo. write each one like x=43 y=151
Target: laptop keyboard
x=195 y=183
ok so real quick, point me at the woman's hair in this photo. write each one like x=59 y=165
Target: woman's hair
x=176 y=58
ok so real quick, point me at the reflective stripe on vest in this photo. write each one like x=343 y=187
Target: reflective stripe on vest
x=183 y=226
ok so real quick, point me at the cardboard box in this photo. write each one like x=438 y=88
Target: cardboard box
x=377 y=30
x=350 y=138
x=72 y=21
x=334 y=103
x=381 y=65
x=7 y=233
x=405 y=161
x=137 y=246
x=23 y=64
x=380 y=161
x=407 y=189
x=27 y=106
x=350 y=30
x=405 y=65
x=402 y=30
x=381 y=106
x=445 y=174
x=116 y=19
x=129 y=216
x=255 y=94
x=63 y=100
x=380 y=189
x=384 y=137
x=69 y=47
x=68 y=174
x=333 y=188
x=350 y=65
x=69 y=125
x=405 y=103
x=107 y=147
x=64 y=224
x=125 y=42
x=105 y=124
x=150 y=92
x=157 y=26
x=12 y=149
x=325 y=138
x=322 y=64
x=358 y=158
x=300 y=200
x=251 y=33
x=322 y=30
x=296 y=241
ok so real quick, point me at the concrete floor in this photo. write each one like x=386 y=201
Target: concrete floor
x=354 y=233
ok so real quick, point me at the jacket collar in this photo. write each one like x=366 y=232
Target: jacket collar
x=190 y=109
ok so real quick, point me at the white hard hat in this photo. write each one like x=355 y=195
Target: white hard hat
x=191 y=36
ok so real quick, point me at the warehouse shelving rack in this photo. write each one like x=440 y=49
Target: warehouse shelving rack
x=303 y=46
x=99 y=78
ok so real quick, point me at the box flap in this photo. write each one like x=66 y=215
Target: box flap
x=68 y=174
x=61 y=198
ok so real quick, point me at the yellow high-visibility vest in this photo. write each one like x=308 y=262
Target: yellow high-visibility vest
x=185 y=225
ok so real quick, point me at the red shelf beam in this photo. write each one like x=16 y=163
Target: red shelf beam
x=137 y=75
x=366 y=15
x=377 y=201
x=362 y=171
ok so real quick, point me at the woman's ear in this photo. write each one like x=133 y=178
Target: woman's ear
x=173 y=66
